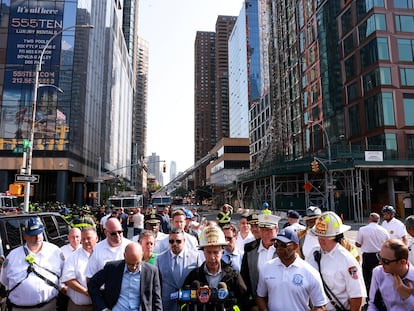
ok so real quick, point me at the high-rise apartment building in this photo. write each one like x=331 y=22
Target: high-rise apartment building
x=224 y=27
x=90 y=120
x=204 y=98
x=340 y=93
x=211 y=93
x=139 y=135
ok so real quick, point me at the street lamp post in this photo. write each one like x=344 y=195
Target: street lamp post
x=330 y=179
x=28 y=159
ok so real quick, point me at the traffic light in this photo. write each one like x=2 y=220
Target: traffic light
x=315 y=166
x=16 y=189
x=164 y=168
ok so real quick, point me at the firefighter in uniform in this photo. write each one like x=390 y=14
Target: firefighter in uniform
x=224 y=216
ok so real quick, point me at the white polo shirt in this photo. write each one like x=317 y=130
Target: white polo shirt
x=290 y=288
x=102 y=253
x=32 y=290
x=74 y=268
x=395 y=228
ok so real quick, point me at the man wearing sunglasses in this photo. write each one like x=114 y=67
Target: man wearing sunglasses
x=174 y=266
x=112 y=248
x=300 y=285
x=393 y=279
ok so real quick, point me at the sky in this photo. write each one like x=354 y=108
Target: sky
x=170 y=28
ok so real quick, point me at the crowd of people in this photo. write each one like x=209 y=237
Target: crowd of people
x=178 y=260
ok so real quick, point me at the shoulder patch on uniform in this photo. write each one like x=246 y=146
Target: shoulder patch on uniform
x=353 y=272
x=6 y=263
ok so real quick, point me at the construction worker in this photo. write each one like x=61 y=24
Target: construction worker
x=266 y=209
x=224 y=216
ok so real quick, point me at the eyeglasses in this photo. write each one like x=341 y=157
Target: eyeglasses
x=282 y=244
x=386 y=261
x=176 y=241
x=116 y=232
x=229 y=238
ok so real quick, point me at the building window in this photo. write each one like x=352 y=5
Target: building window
x=373 y=51
x=410 y=145
x=403 y=4
x=373 y=23
x=352 y=92
x=354 y=128
x=363 y=6
x=388 y=140
x=404 y=23
x=349 y=44
x=406 y=49
x=378 y=76
x=379 y=110
x=408 y=110
x=346 y=20
x=407 y=76
x=350 y=70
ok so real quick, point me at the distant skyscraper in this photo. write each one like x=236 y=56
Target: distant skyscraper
x=211 y=115
x=153 y=164
x=238 y=79
x=173 y=170
x=139 y=122
x=204 y=98
x=224 y=27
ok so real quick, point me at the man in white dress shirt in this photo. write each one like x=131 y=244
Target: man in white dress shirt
x=73 y=274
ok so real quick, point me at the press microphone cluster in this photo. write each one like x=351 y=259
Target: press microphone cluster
x=203 y=295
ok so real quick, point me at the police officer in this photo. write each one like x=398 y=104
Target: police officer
x=31 y=272
x=224 y=216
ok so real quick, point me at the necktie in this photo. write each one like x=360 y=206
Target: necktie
x=176 y=268
x=230 y=262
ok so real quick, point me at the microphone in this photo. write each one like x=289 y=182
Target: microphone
x=185 y=293
x=193 y=293
x=204 y=294
x=222 y=294
x=175 y=295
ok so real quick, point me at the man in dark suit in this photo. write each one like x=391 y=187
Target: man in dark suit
x=123 y=280
x=187 y=260
x=256 y=253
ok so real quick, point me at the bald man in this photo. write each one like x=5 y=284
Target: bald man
x=123 y=280
x=112 y=248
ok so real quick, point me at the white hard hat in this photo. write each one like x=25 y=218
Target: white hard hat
x=329 y=224
x=212 y=236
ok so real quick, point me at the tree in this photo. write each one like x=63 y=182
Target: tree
x=203 y=193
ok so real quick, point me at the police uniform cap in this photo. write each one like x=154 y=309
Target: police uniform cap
x=253 y=219
x=152 y=219
x=268 y=221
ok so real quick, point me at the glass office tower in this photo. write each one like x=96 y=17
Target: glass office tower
x=75 y=128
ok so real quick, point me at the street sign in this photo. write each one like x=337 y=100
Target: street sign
x=20 y=149
x=27 y=178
